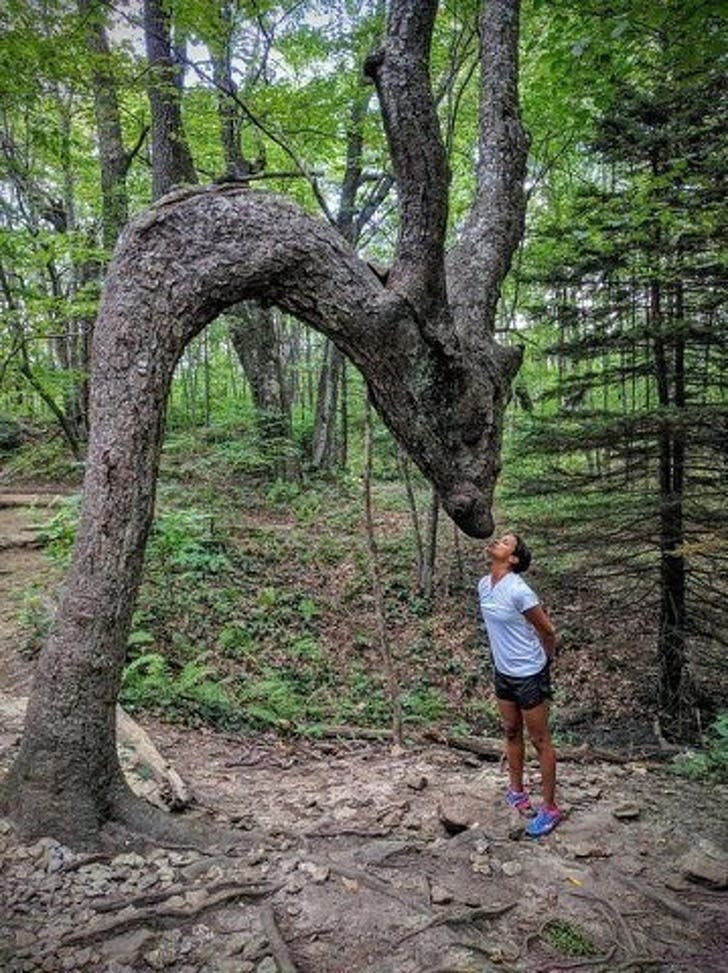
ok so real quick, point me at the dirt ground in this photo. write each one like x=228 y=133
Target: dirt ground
x=354 y=857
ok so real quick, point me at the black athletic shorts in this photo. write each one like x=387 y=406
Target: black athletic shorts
x=525 y=691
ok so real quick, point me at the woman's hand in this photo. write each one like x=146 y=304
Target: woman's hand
x=544 y=629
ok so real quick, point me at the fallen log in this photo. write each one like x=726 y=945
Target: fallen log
x=147 y=772
x=492 y=749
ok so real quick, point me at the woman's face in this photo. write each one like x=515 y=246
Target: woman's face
x=502 y=549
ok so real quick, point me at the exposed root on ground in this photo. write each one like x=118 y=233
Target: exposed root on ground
x=458 y=917
x=276 y=941
x=163 y=916
x=169 y=831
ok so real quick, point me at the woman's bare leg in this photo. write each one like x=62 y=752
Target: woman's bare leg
x=513 y=728
x=537 y=724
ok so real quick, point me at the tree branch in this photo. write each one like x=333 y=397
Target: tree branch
x=480 y=262
x=400 y=71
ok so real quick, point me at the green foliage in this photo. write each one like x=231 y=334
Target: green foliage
x=184 y=541
x=11 y=435
x=485 y=717
x=367 y=700
x=41 y=458
x=568 y=938
x=424 y=704
x=58 y=534
x=35 y=616
x=192 y=695
x=711 y=763
x=273 y=700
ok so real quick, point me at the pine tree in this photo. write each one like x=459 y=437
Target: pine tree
x=636 y=427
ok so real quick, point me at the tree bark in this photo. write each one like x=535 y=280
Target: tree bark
x=171 y=158
x=237 y=166
x=257 y=343
x=113 y=159
x=676 y=697
x=326 y=451
x=441 y=391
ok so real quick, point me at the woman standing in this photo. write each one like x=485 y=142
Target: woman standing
x=522 y=641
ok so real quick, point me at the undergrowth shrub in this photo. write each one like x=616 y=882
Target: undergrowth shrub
x=194 y=694
x=711 y=763
x=568 y=938
x=57 y=534
x=185 y=540
x=424 y=704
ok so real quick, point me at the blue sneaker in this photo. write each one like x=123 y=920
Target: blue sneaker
x=544 y=822
x=520 y=801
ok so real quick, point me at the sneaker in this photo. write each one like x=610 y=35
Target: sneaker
x=544 y=822
x=519 y=800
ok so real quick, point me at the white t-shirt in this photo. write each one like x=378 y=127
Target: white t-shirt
x=516 y=648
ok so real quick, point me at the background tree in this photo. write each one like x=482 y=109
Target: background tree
x=631 y=425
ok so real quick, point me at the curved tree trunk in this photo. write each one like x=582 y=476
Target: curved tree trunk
x=440 y=387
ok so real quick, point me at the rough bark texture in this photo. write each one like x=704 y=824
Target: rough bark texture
x=480 y=261
x=113 y=159
x=171 y=159
x=327 y=450
x=255 y=335
x=401 y=73
x=195 y=253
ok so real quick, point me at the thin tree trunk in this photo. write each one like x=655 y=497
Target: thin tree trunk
x=255 y=335
x=427 y=579
x=171 y=157
x=403 y=464
x=326 y=439
x=113 y=159
x=375 y=570
x=675 y=695
x=326 y=450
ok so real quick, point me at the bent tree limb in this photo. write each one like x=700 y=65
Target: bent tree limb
x=434 y=373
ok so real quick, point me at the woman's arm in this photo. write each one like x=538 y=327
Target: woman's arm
x=544 y=627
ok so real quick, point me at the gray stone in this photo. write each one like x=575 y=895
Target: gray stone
x=235 y=943
x=127 y=947
x=317 y=873
x=128 y=860
x=459 y=813
x=481 y=866
x=232 y=921
x=166 y=874
x=227 y=965
x=626 y=812
x=267 y=965
x=706 y=863
x=588 y=849
x=94 y=873
x=162 y=957
x=255 y=948
x=512 y=868
x=440 y=895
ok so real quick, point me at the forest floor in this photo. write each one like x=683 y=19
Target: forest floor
x=360 y=857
